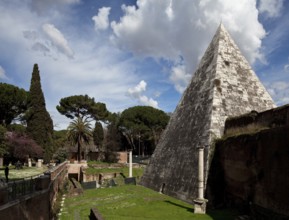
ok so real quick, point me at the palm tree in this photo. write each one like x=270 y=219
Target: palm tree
x=79 y=131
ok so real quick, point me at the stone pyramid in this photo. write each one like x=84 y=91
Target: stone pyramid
x=224 y=85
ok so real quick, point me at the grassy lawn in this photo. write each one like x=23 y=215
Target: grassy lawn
x=22 y=173
x=129 y=202
x=137 y=172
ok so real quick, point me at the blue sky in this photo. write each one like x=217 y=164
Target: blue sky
x=127 y=53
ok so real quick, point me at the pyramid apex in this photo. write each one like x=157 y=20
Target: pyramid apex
x=221 y=25
x=221 y=29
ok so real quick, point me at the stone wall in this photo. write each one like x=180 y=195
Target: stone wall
x=58 y=176
x=250 y=171
x=276 y=117
x=39 y=204
x=35 y=206
x=122 y=156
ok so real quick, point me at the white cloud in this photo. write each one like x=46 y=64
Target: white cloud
x=286 y=68
x=99 y=69
x=101 y=21
x=58 y=40
x=168 y=29
x=280 y=85
x=148 y=101
x=180 y=77
x=96 y=72
x=137 y=93
x=138 y=89
x=165 y=30
x=279 y=90
x=169 y=11
x=271 y=7
x=2 y=73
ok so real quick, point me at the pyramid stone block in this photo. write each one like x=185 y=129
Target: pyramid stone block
x=224 y=85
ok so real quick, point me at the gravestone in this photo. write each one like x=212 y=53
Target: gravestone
x=29 y=162
x=39 y=163
x=130 y=181
x=224 y=85
x=89 y=185
x=111 y=183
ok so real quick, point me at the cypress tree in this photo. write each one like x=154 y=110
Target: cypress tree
x=39 y=122
x=98 y=135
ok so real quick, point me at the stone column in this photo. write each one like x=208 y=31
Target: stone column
x=201 y=173
x=200 y=202
x=130 y=163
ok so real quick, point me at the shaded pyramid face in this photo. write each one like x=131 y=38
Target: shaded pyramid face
x=224 y=85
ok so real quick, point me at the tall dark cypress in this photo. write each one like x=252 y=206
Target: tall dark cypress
x=39 y=122
x=98 y=135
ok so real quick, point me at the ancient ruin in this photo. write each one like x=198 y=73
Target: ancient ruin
x=224 y=85
x=249 y=170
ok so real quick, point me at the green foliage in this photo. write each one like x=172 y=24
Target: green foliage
x=60 y=139
x=13 y=103
x=39 y=122
x=18 y=128
x=144 y=116
x=113 y=140
x=98 y=135
x=142 y=123
x=82 y=106
x=60 y=155
x=3 y=146
x=79 y=132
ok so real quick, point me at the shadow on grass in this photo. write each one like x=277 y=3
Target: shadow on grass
x=181 y=206
x=214 y=214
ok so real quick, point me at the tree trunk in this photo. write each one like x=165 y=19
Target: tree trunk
x=129 y=139
x=78 y=151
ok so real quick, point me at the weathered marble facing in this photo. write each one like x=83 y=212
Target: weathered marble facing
x=224 y=85
x=238 y=90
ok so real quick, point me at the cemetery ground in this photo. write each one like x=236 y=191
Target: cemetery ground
x=24 y=172
x=135 y=202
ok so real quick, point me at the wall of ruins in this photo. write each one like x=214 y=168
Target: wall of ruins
x=249 y=171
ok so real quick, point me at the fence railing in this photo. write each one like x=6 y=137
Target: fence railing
x=21 y=187
x=25 y=186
